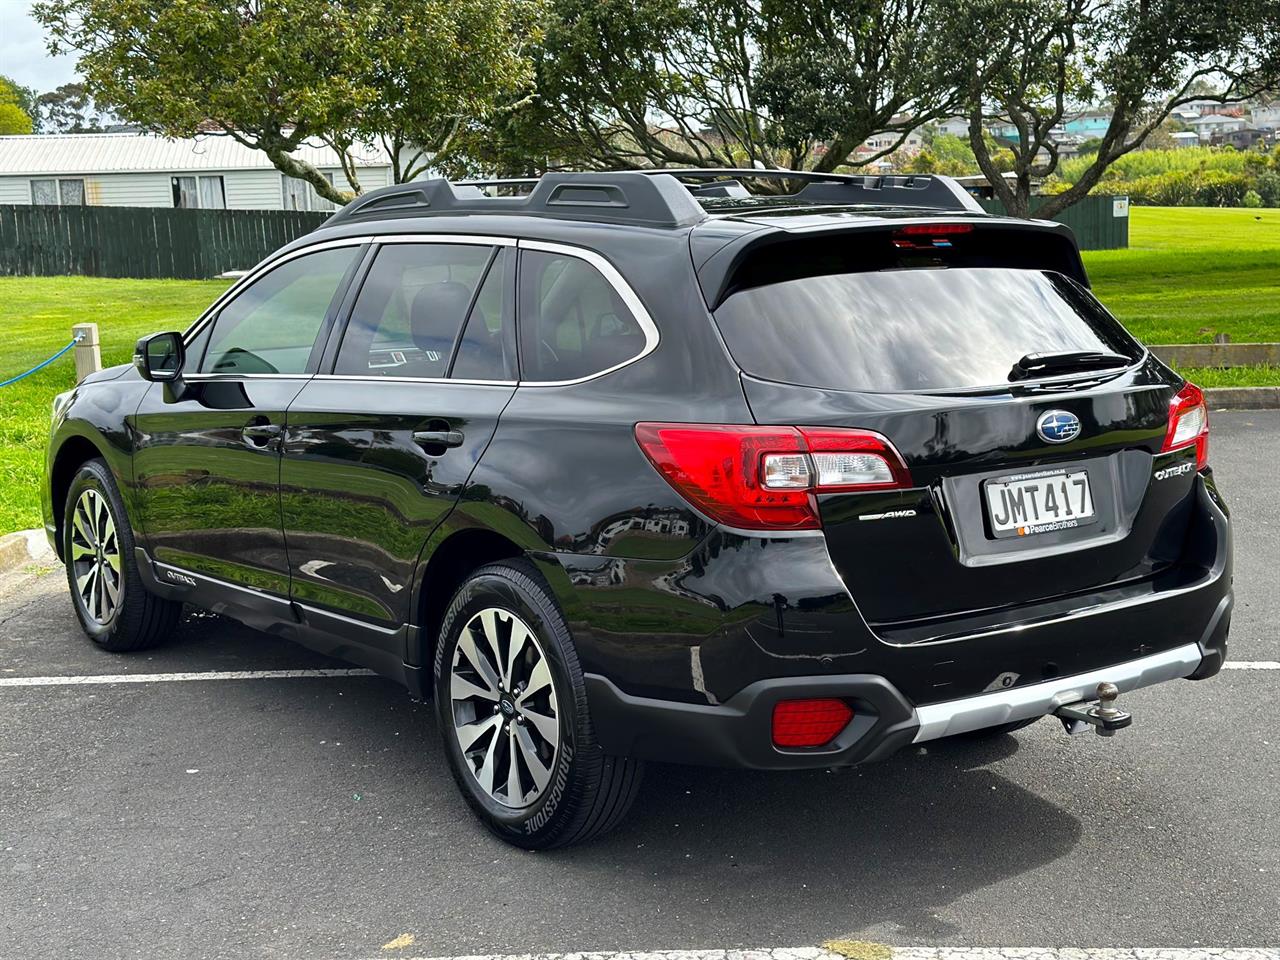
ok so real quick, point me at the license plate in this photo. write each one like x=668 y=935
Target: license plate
x=1039 y=503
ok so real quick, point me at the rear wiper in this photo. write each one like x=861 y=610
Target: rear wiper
x=1068 y=361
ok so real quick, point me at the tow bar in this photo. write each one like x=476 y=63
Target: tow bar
x=1101 y=714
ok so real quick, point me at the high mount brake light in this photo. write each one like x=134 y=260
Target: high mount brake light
x=934 y=229
x=923 y=236
x=1188 y=424
x=767 y=478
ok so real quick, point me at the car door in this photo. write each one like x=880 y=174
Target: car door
x=207 y=451
x=379 y=448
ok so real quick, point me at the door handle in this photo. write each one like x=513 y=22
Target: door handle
x=438 y=438
x=258 y=433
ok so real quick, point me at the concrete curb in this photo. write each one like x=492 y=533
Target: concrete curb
x=1217 y=354
x=21 y=548
x=1243 y=398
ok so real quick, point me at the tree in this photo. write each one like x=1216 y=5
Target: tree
x=15 y=115
x=68 y=109
x=274 y=74
x=624 y=83
x=1142 y=58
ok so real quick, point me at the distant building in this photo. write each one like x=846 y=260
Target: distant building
x=1185 y=138
x=1241 y=139
x=1208 y=124
x=142 y=170
x=1265 y=116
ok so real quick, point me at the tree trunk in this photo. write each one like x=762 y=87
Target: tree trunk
x=301 y=170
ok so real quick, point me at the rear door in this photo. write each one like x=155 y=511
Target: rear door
x=207 y=457
x=1023 y=489
x=380 y=446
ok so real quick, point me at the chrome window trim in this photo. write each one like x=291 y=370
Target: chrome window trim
x=606 y=269
x=620 y=286
x=373 y=378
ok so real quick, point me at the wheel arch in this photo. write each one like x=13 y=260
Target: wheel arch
x=450 y=562
x=73 y=453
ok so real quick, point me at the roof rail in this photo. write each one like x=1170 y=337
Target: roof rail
x=623 y=197
x=910 y=190
x=654 y=197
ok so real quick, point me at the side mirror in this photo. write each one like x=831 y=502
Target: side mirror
x=159 y=357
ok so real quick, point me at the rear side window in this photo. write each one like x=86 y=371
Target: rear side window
x=913 y=329
x=573 y=323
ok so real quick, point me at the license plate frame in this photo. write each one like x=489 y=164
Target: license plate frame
x=1058 y=481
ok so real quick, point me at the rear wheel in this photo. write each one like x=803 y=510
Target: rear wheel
x=513 y=715
x=114 y=609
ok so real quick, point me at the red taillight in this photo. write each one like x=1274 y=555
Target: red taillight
x=809 y=723
x=765 y=478
x=1188 y=424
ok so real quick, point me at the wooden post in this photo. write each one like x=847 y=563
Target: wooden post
x=88 y=355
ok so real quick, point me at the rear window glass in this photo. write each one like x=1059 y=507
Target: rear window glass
x=916 y=329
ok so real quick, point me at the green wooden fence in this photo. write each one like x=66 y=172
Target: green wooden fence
x=142 y=241
x=1094 y=220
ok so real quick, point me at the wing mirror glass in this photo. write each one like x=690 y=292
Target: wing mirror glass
x=159 y=357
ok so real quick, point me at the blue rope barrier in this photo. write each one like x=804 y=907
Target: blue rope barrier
x=42 y=364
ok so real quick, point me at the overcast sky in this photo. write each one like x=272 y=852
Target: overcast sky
x=22 y=50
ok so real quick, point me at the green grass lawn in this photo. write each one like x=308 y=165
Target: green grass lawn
x=1189 y=273
x=1192 y=272
x=36 y=315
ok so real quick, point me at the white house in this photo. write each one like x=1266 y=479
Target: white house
x=141 y=170
x=1266 y=116
x=1206 y=125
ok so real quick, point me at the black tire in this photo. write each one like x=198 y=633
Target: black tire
x=138 y=619
x=588 y=791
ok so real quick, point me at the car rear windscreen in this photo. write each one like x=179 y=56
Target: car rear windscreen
x=953 y=328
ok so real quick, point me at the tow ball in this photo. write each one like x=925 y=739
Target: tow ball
x=1101 y=714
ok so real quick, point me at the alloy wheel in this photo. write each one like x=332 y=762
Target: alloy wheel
x=95 y=556
x=505 y=714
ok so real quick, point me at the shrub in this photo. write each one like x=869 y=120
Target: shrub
x=1252 y=198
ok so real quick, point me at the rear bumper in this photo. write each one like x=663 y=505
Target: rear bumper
x=738 y=733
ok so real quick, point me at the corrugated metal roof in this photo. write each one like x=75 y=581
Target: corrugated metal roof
x=90 y=153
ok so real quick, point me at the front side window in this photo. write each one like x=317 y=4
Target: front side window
x=411 y=309
x=573 y=323
x=272 y=325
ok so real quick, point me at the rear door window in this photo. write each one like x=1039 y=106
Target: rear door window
x=411 y=309
x=913 y=329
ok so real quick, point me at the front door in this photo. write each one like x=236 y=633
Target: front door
x=207 y=460
x=378 y=451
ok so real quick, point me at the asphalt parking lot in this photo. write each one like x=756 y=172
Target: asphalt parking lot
x=315 y=817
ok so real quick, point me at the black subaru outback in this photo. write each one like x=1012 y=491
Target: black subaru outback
x=647 y=465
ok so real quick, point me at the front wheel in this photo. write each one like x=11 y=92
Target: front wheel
x=513 y=715
x=113 y=607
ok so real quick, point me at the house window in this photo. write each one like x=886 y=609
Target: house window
x=67 y=193
x=192 y=192
x=213 y=193
x=300 y=195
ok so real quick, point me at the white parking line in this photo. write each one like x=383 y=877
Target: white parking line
x=1251 y=665
x=112 y=678
x=876 y=951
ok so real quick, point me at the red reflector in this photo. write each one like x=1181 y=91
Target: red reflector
x=809 y=723
x=934 y=229
x=1188 y=424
